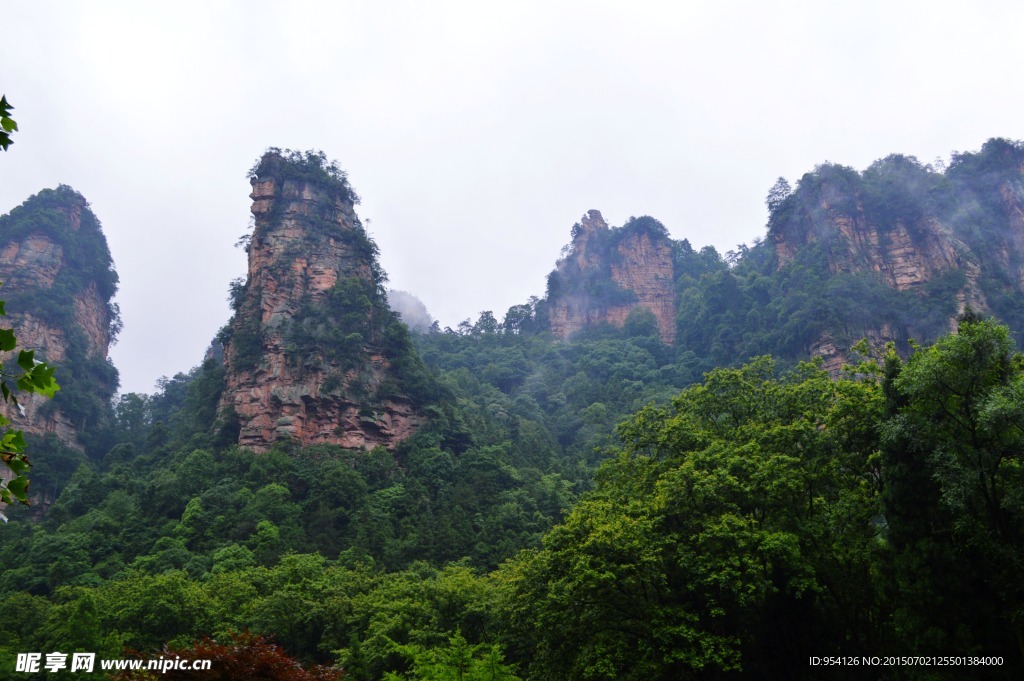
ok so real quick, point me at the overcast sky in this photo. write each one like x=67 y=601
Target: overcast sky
x=476 y=132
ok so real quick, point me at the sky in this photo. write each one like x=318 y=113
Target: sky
x=476 y=133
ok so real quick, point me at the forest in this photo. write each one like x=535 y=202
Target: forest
x=604 y=507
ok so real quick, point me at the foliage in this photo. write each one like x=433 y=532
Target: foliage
x=246 y=656
x=587 y=279
x=34 y=377
x=587 y=509
x=7 y=124
x=749 y=502
x=84 y=272
x=87 y=257
x=953 y=493
x=309 y=166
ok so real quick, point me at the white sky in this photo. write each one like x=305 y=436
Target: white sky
x=476 y=132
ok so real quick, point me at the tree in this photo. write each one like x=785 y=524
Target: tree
x=486 y=324
x=953 y=491
x=734 y=531
x=7 y=124
x=246 y=656
x=779 y=192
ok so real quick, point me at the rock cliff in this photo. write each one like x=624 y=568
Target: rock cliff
x=943 y=240
x=313 y=353
x=58 y=282
x=607 y=272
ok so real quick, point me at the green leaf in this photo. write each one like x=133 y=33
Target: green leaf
x=7 y=340
x=13 y=441
x=40 y=379
x=26 y=359
x=19 y=465
x=8 y=124
x=19 y=489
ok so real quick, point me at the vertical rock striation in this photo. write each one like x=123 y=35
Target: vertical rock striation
x=607 y=272
x=313 y=353
x=58 y=283
x=947 y=240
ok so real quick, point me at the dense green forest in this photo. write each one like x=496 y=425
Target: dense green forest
x=756 y=519
x=604 y=507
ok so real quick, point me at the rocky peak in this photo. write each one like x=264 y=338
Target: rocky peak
x=58 y=283
x=607 y=272
x=313 y=352
x=943 y=239
x=593 y=221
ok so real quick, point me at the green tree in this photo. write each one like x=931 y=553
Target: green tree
x=7 y=124
x=954 y=499
x=731 y=532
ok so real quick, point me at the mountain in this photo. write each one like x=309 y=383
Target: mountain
x=890 y=254
x=59 y=279
x=923 y=243
x=313 y=352
x=607 y=272
x=559 y=495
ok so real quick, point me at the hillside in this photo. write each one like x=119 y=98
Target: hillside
x=598 y=485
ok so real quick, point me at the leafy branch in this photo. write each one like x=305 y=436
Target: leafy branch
x=7 y=124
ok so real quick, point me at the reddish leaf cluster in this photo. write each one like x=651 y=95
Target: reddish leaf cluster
x=248 y=656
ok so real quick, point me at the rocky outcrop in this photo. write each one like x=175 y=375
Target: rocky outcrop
x=58 y=304
x=306 y=355
x=945 y=240
x=608 y=272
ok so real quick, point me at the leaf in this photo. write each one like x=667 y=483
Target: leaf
x=19 y=489
x=19 y=465
x=43 y=381
x=8 y=124
x=26 y=359
x=7 y=340
x=13 y=441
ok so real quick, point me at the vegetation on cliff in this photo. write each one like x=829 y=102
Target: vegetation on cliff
x=893 y=253
x=761 y=516
x=312 y=323
x=596 y=508
x=60 y=275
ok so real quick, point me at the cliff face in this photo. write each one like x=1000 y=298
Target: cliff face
x=905 y=258
x=608 y=272
x=58 y=281
x=310 y=353
x=945 y=240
